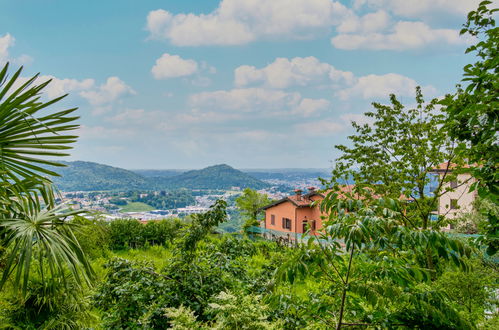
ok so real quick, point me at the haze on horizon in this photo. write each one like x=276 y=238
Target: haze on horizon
x=255 y=85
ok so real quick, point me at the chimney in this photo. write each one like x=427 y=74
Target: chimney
x=298 y=194
x=311 y=189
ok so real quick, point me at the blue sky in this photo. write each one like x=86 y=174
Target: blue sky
x=250 y=83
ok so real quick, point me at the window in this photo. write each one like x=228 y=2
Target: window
x=286 y=223
x=453 y=184
x=453 y=204
x=305 y=226
x=312 y=225
x=272 y=219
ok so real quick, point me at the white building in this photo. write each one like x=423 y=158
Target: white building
x=458 y=198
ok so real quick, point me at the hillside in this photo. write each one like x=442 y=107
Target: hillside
x=158 y=173
x=88 y=176
x=214 y=177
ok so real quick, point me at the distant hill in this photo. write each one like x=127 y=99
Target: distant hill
x=89 y=176
x=288 y=173
x=215 y=177
x=158 y=173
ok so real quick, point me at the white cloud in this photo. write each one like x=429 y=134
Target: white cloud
x=308 y=107
x=172 y=66
x=375 y=86
x=319 y=128
x=110 y=91
x=237 y=22
x=258 y=101
x=58 y=87
x=283 y=73
x=404 y=36
x=6 y=42
x=371 y=22
x=419 y=8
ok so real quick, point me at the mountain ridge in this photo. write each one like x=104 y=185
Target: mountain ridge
x=89 y=176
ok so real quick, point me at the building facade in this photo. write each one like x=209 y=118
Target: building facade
x=458 y=198
x=295 y=214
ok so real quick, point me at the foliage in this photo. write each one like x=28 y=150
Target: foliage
x=34 y=228
x=472 y=112
x=395 y=154
x=476 y=220
x=181 y=318
x=166 y=200
x=48 y=306
x=241 y=312
x=250 y=204
x=93 y=236
x=131 y=233
x=380 y=265
x=472 y=292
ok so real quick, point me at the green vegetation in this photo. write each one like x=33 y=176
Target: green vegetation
x=136 y=207
x=377 y=262
x=250 y=204
x=88 y=176
x=214 y=177
x=472 y=112
x=166 y=200
x=43 y=266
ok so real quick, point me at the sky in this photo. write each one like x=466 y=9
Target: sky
x=250 y=83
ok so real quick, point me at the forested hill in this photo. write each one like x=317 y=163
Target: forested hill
x=214 y=177
x=88 y=176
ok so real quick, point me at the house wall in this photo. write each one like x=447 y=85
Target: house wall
x=464 y=198
x=283 y=210
x=298 y=216
x=309 y=214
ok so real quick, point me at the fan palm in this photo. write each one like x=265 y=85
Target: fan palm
x=33 y=227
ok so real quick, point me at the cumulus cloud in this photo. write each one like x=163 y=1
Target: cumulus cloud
x=237 y=22
x=404 y=36
x=110 y=91
x=375 y=86
x=58 y=87
x=172 y=66
x=6 y=42
x=258 y=101
x=371 y=22
x=283 y=73
x=421 y=8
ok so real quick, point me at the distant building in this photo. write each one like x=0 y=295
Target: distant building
x=459 y=198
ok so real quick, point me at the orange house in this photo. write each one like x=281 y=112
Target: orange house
x=294 y=214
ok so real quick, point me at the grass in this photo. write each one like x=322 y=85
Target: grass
x=137 y=207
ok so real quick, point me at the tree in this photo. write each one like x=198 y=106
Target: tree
x=473 y=112
x=395 y=154
x=374 y=277
x=34 y=227
x=250 y=203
